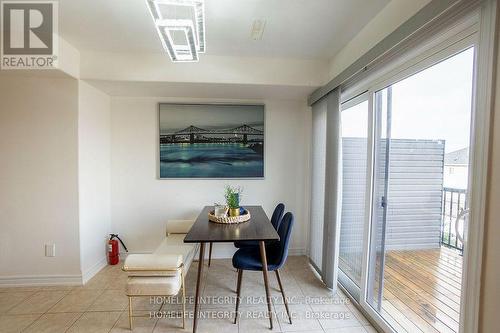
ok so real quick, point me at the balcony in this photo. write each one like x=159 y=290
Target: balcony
x=422 y=287
x=422 y=290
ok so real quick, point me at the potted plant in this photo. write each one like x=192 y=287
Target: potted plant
x=233 y=196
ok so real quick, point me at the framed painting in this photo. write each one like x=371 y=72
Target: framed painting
x=211 y=141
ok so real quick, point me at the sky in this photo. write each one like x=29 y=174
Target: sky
x=174 y=117
x=432 y=104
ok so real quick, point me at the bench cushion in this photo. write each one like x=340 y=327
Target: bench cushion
x=174 y=243
x=154 y=285
x=152 y=264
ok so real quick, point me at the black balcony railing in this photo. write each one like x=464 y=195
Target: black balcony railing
x=454 y=200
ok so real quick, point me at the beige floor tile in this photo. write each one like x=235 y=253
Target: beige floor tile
x=217 y=321
x=61 y=287
x=16 y=323
x=106 y=304
x=39 y=302
x=53 y=323
x=358 y=329
x=311 y=286
x=76 y=301
x=116 y=282
x=253 y=292
x=146 y=303
x=335 y=316
x=140 y=324
x=217 y=297
x=17 y=289
x=255 y=319
x=100 y=281
x=173 y=325
x=95 y=322
x=303 y=318
x=292 y=291
x=10 y=299
x=110 y=300
x=170 y=304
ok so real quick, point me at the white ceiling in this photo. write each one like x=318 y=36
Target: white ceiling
x=314 y=29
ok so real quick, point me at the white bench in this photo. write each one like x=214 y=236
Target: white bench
x=162 y=272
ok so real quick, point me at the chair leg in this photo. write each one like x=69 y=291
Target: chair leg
x=183 y=299
x=130 y=312
x=263 y=257
x=238 y=293
x=210 y=254
x=283 y=294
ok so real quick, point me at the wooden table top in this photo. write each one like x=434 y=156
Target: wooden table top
x=257 y=228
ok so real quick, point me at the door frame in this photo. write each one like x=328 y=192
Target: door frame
x=479 y=33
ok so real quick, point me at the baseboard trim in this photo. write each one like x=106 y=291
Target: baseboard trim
x=40 y=280
x=92 y=271
x=297 y=252
x=52 y=280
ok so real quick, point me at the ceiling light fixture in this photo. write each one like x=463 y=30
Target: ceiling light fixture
x=181 y=27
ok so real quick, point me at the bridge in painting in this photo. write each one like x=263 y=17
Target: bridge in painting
x=193 y=134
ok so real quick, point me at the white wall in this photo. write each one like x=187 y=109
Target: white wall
x=141 y=203
x=395 y=13
x=38 y=179
x=94 y=161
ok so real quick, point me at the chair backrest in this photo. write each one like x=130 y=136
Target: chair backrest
x=278 y=251
x=277 y=215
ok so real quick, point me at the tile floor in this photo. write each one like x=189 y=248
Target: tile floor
x=101 y=305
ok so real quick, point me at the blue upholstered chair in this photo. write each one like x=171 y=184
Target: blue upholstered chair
x=249 y=258
x=275 y=221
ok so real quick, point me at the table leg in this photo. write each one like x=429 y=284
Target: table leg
x=238 y=293
x=210 y=254
x=198 y=286
x=266 y=281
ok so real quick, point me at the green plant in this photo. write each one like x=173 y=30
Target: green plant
x=233 y=196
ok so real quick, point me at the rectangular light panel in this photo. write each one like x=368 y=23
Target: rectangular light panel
x=185 y=16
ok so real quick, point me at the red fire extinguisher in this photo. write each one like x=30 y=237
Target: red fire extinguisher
x=114 y=249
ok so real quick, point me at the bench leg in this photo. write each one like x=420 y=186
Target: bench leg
x=183 y=300
x=130 y=312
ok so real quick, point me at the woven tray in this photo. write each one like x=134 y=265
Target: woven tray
x=245 y=216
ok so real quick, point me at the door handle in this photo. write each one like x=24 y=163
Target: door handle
x=383 y=202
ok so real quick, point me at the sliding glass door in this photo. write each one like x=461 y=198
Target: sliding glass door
x=405 y=166
x=422 y=134
x=354 y=120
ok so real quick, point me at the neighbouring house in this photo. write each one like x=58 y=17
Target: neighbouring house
x=456 y=169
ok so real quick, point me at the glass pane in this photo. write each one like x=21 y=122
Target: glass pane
x=354 y=168
x=420 y=186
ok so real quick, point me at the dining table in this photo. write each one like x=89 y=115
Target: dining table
x=258 y=228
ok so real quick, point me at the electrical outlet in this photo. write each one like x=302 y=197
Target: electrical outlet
x=50 y=250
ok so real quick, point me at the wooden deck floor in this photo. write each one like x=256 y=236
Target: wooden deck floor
x=422 y=290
